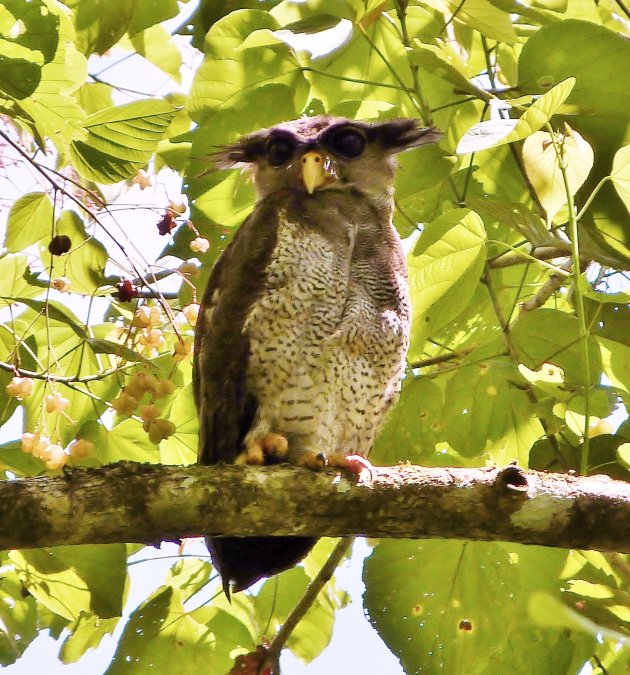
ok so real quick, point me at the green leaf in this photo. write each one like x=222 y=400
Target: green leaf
x=520 y=218
x=445 y=63
x=14 y=278
x=85 y=633
x=242 y=72
x=160 y=628
x=30 y=221
x=84 y=264
x=449 y=255
x=488 y=414
x=412 y=429
x=623 y=454
x=18 y=615
x=549 y=612
x=497 y=132
x=74 y=579
x=596 y=107
x=441 y=606
x=157 y=47
x=121 y=140
x=486 y=18
x=148 y=13
x=620 y=175
x=51 y=106
x=100 y=25
x=182 y=447
x=126 y=440
x=543 y=167
x=551 y=336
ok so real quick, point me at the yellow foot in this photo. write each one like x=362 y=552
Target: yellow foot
x=312 y=460
x=272 y=446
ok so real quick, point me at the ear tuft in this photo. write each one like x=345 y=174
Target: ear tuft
x=402 y=134
x=240 y=154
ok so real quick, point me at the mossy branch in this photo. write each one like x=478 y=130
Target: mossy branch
x=131 y=502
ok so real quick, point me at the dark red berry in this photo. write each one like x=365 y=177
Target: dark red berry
x=59 y=245
x=166 y=224
x=127 y=291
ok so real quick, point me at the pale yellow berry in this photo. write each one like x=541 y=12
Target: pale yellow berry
x=54 y=457
x=20 y=387
x=177 y=207
x=182 y=349
x=140 y=384
x=160 y=429
x=81 y=448
x=191 y=312
x=61 y=284
x=142 y=179
x=148 y=413
x=142 y=317
x=152 y=339
x=55 y=402
x=164 y=388
x=156 y=316
x=124 y=404
x=199 y=245
x=36 y=444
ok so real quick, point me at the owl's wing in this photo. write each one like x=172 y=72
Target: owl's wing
x=226 y=407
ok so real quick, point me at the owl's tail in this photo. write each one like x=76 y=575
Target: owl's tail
x=241 y=561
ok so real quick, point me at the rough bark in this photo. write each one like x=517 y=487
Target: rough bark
x=130 y=502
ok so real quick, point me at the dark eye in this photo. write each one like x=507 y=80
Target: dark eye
x=347 y=143
x=279 y=151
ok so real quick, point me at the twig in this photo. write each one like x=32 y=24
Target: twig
x=305 y=602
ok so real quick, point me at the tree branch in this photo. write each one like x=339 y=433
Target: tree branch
x=131 y=502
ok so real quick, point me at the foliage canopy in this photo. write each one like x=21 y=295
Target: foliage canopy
x=520 y=346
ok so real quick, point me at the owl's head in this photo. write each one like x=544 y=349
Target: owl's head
x=319 y=153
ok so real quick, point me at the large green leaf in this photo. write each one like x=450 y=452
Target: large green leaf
x=101 y=23
x=413 y=427
x=443 y=270
x=242 y=71
x=441 y=606
x=598 y=59
x=70 y=580
x=18 y=614
x=488 y=414
x=85 y=633
x=551 y=336
x=84 y=264
x=121 y=140
x=160 y=628
x=30 y=221
x=51 y=106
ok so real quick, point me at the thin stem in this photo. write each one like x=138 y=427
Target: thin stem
x=592 y=196
x=579 y=300
x=415 y=69
x=297 y=613
x=391 y=69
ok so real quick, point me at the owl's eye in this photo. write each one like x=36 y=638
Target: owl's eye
x=347 y=143
x=279 y=151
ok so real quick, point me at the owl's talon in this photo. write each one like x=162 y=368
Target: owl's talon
x=357 y=466
x=313 y=460
x=258 y=450
x=275 y=446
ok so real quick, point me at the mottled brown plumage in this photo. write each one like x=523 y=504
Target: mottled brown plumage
x=304 y=324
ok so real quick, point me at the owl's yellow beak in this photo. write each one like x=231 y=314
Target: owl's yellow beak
x=315 y=172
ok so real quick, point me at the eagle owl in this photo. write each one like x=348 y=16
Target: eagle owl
x=304 y=325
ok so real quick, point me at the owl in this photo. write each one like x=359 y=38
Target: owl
x=303 y=328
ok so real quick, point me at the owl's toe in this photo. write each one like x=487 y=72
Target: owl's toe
x=275 y=446
x=357 y=466
x=312 y=460
x=260 y=450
